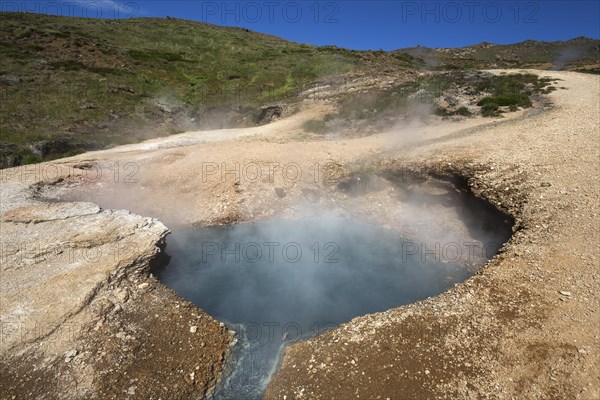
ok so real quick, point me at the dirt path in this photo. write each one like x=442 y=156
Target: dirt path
x=526 y=326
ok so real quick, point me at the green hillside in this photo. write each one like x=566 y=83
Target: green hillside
x=74 y=84
x=88 y=83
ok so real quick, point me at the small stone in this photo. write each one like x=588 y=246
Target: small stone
x=565 y=293
x=143 y=285
x=122 y=295
x=545 y=184
x=70 y=355
x=193 y=329
x=427 y=372
x=280 y=192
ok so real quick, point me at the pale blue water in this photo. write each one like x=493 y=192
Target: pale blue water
x=279 y=281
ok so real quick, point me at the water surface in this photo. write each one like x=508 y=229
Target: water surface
x=275 y=282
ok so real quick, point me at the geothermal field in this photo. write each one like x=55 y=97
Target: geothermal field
x=193 y=211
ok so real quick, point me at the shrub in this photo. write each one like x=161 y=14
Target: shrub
x=517 y=99
x=490 y=110
x=441 y=111
x=464 y=111
x=511 y=91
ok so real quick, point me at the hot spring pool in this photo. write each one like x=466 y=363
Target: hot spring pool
x=275 y=282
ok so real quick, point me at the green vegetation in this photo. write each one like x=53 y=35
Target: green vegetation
x=377 y=110
x=28 y=157
x=593 y=70
x=107 y=82
x=511 y=91
x=442 y=112
x=490 y=105
x=376 y=107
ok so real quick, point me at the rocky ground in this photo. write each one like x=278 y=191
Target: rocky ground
x=527 y=324
x=524 y=326
x=81 y=315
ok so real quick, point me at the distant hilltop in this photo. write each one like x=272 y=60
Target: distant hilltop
x=580 y=53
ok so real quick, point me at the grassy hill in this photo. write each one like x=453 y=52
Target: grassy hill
x=87 y=83
x=578 y=54
x=73 y=84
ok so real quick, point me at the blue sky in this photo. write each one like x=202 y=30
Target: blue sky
x=360 y=24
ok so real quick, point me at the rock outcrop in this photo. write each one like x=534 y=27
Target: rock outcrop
x=82 y=317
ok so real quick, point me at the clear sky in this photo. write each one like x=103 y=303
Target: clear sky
x=359 y=24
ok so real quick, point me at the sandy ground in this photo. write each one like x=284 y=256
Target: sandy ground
x=524 y=327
